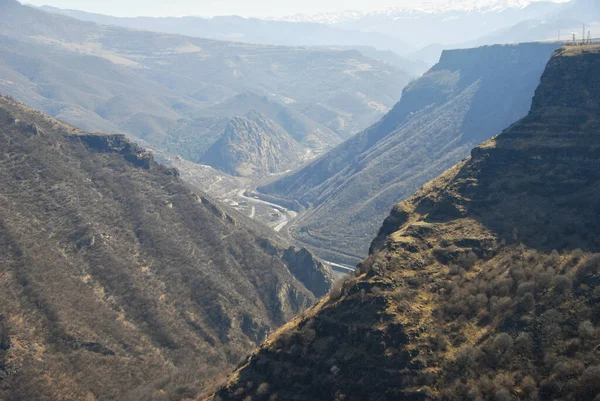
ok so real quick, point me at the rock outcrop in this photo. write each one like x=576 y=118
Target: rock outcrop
x=253 y=145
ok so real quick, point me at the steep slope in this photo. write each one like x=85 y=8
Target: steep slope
x=253 y=145
x=115 y=275
x=116 y=80
x=484 y=285
x=466 y=98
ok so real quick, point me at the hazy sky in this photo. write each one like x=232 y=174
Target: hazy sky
x=256 y=8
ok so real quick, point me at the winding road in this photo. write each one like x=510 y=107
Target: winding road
x=286 y=215
x=339 y=267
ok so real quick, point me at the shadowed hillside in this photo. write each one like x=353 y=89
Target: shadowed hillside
x=117 y=281
x=484 y=285
x=466 y=98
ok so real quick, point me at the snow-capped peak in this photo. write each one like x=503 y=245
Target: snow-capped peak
x=426 y=7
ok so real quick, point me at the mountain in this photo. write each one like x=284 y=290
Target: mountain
x=582 y=10
x=484 y=285
x=112 y=79
x=119 y=282
x=216 y=135
x=253 y=145
x=480 y=6
x=557 y=24
x=312 y=124
x=463 y=100
x=249 y=30
x=448 y=23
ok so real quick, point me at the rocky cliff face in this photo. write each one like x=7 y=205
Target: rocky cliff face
x=117 y=281
x=466 y=98
x=484 y=285
x=253 y=145
x=310 y=271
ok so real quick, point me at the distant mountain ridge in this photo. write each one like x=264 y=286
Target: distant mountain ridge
x=463 y=100
x=449 y=23
x=557 y=24
x=112 y=79
x=252 y=30
x=423 y=7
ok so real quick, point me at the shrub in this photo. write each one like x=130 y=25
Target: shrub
x=527 y=302
x=467 y=356
x=529 y=388
x=561 y=284
x=502 y=395
x=588 y=268
x=567 y=369
x=474 y=394
x=467 y=260
x=523 y=344
x=263 y=389
x=576 y=255
x=590 y=382
x=587 y=331
x=504 y=381
x=573 y=346
x=4 y=335
x=553 y=259
x=544 y=281
x=527 y=287
x=503 y=343
x=440 y=341
x=338 y=287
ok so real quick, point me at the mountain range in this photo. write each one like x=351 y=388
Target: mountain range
x=484 y=285
x=249 y=30
x=430 y=7
x=121 y=280
x=469 y=96
x=112 y=79
x=556 y=23
x=446 y=23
